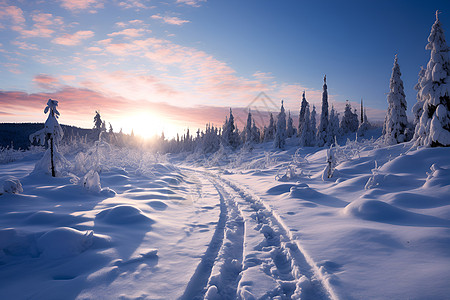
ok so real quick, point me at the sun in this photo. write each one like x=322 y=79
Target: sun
x=148 y=125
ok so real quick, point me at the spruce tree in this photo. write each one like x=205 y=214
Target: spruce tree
x=349 y=122
x=301 y=119
x=323 y=138
x=433 y=128
x=395 y=123
x=269 y=132
x=290 y=131
x=280 y=134
x=248 y=129
x=335 y=130
x=313 y=126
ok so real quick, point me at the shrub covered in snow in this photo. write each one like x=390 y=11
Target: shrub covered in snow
x=12 y=186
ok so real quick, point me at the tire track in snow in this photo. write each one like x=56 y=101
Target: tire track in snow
x=296 y=273
x=258 y=258
x=219 y=269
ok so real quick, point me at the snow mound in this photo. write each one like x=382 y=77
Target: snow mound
x=12 y=186
x=374 y=210
x=157 y=205
x=123 y=214
x=379 y=211
x=437 y=177
x=64 y=242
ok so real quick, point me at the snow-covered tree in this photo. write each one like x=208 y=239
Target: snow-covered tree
x=323 y=132
x=256 y=134
x=307 y=135
x=290 y=130
x=418 y=106
x=280 y=133
x=53 y=134
x=335 y=130
x=97 y=121
x=313 y=120
x=395 y=123
x=269 y=132
x=433 y=128
x=230 y=136
x=248 y=130
x=364 y=124
x=349 y=122
x=301 y=119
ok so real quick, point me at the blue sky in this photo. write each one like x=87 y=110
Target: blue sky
x=182 y=63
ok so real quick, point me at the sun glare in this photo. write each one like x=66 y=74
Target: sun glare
x=147 y=125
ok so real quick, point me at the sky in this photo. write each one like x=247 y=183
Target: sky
x=155 y=66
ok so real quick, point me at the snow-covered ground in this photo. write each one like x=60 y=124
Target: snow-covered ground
x=247 y=225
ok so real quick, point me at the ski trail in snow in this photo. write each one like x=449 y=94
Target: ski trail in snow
x=279 y=255
x=220 y=266
x=253 y=254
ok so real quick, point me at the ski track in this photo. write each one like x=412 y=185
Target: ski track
x=252 y=254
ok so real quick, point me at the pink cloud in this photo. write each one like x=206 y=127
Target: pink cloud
x=25 y=46
x=170 y=20
x=73 y=39
x=130 y=32
x=46 y=81
x=41 y=26
x=195 y=3
x=12 y=13
x=77 y=5
x=136 y=4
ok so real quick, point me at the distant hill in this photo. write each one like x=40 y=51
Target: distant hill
x=17 y=133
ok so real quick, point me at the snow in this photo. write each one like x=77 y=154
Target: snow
x=233 y=224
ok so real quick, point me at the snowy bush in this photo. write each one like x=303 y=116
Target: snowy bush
x=12 y=186
x=330 y=168
x=376 y=178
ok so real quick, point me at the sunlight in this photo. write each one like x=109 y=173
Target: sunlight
x=147 y=124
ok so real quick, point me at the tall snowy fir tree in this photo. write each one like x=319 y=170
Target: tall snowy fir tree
x=323 y=138
x=290 y=130
x=313 y=120
x=349 y=122
x=418 y=106
x=280 y=133
x=335 y=130
x=256 y=134
x=433 y=128
x=230 y=136
x=301 y=119
x=395 y=123
x=269 y=132
x=307 y=136
x=248 y=139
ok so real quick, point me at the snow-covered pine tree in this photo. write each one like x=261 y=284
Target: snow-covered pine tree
x=256 y=134
x=248 y=129
x=364 y=124
x=290 y=131
x=280 y=134
x=396 y=121
x=53 y=134
x=418 y=106
x=313 y=120
x=230 y=136
x=349 y=122
x=307 y=134
x=269 y=132
x=301 y=119
x=323 y=138
x=433 y=128
x=335 y=130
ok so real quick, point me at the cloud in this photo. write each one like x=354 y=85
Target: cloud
x=12 y=13
x=47 y=82
x=136 y=4
x=195 y=3
x=41 y=26
x=78 y=5
x=73 y=39
x=25 y=46
x=170 y=20
x=130 y=32
x=12 y=67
